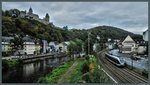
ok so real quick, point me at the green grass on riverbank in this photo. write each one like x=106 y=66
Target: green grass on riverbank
x=10 y=64
x=87 y=70
x=56 y=73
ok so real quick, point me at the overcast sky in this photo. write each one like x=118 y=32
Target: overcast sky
x=130 y=16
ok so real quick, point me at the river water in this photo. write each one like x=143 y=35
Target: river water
x=31 y=72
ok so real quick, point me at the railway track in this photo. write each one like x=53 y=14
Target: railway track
x=121 y=75
x=138 y=76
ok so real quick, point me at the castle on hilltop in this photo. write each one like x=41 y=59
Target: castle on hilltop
x=31 y=15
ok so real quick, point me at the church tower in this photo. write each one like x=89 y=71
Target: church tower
x=47 y=17
x=30 y=11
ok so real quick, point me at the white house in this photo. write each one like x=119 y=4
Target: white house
x=110 y=45
x=62 y=47
x=28 y=45
x=141 y=49
x=141 y=46
x=128 y=45
x=52 y=46
x=145 y=35
x=29 y=48
x=5 y=43
x=94 y=46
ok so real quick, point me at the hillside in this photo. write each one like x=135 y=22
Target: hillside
x=104 y=32
x=21 y=26
x=113 y=32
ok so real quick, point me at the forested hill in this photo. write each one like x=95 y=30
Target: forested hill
x=113 y=32
x=15 y=25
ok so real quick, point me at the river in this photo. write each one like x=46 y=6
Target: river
x=31 y=72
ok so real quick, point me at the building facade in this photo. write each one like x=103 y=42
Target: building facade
x=6 y=43
x=62 y=47
x=128 y=45
x=29 y=48
x=132 y=46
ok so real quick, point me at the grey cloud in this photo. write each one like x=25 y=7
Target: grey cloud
x=126 y=15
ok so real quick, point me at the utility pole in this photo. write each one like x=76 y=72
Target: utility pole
x=89 y=43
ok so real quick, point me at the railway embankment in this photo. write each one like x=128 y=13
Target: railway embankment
x=120 y=75
x=140 y=65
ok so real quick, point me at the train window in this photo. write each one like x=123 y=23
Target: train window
x=117 y=61
x=113 y=59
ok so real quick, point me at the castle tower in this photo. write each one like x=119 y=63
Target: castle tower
x=30 y=11
x=47 y=17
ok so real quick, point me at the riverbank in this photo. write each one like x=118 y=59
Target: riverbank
x=10 y=64
x=56 y=73
x=65 y=77
x=82 y=70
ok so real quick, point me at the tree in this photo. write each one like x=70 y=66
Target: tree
x=14 y=12
x=75 y=47
x=17 y=43
x=7 y=13
x=98 y=47
x=71 y=48
x=8 y=26
x=78 y=46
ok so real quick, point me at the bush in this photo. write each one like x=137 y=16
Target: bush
x=10 y=64
x=96 y=75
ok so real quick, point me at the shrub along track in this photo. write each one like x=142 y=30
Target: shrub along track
x=121 y=75
x=64 y=78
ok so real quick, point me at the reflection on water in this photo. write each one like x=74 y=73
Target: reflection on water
x=31 y=72
x=28 y=69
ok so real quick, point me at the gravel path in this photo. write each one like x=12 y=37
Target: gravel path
x=64 y=78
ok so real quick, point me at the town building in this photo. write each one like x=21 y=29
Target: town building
x=145 y=35
x=128 y=45
x=132 y=46
x=44 y=47
x=31 y=15
x=6 y=48
x=112 y=43
x=29 y=46
x=52 y=46
x=62 y=47
x=141 y=46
